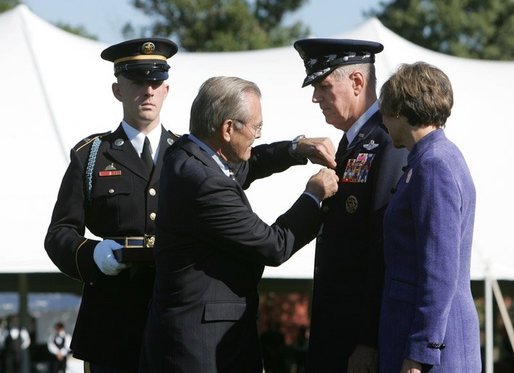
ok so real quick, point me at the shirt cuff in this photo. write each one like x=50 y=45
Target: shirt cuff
x=316 y=199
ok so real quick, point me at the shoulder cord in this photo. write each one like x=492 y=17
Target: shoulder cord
x=90 y=166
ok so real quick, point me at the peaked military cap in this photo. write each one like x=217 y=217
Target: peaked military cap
x=141 y=59
x=322 y=56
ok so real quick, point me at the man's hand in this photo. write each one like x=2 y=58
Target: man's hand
x=410 y=366
x=323 y=184
x=105 y=259
x=319 y=150
x=364 y=359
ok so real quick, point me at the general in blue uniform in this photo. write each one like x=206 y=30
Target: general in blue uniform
x=348 y=269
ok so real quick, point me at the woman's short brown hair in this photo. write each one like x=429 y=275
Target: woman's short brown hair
x=420 y=92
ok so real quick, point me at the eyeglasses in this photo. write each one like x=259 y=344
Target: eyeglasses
x=254 y=129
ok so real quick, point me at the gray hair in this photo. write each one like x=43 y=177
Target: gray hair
x=220 y=98
x=367 y=69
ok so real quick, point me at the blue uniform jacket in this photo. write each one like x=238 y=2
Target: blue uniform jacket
x=349 y=265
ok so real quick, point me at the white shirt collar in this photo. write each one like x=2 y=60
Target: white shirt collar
x=137 y=138
x=211 y=153
x=355 y=128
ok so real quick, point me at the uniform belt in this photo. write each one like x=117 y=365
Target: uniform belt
x=142 y=242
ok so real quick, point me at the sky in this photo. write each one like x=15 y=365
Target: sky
x=105 y=18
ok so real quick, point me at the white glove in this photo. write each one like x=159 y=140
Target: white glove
x=105 y=259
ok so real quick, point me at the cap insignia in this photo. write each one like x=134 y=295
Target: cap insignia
x=148 y=48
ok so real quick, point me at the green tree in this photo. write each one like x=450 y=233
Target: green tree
x=481 y=29
x=8 y=4
x=77 y=30
x=225 y=25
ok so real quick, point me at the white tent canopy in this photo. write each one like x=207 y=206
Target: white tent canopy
x=57 y=91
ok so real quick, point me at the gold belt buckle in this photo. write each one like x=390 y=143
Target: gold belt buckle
x=149 y=241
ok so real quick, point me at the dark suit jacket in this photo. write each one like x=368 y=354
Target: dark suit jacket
x=113 y=309
x=211 y=249
x=348 y=273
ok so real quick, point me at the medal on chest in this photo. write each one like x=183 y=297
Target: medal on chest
x=357 y=169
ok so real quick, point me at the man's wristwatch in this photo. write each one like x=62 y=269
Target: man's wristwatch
x=294 y=146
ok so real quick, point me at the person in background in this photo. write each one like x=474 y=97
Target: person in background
x=211 y=248
x=111 y=188
x=58 y=344
x=348 y=268
x=14 y=342
x=428 y=321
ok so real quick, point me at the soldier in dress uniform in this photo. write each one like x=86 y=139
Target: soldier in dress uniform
x=111 y=188
x=58 y=344
x=14 y=342
x=348 y=272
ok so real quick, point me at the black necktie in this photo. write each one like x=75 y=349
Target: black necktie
x=341 y=149
x=146 y=156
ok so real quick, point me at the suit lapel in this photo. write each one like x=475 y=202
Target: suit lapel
x=364 y=133
x=122 y=152
x=366 y=130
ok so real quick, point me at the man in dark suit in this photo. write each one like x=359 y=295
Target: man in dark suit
x=211 y=248
x=111 y=188
x=348 y=272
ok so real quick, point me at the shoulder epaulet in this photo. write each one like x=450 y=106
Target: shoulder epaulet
x=86 y=141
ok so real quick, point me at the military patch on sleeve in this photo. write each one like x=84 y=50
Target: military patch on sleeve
x=357 y=169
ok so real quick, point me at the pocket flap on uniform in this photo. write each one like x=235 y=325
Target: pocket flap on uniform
x=224 y=311
x=109 y=187
x=402 y=291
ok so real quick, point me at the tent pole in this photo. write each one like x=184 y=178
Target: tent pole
x=23 y=314
x=507 y=322
x=489 y=364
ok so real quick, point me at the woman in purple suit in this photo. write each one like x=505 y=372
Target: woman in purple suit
x=428 y=319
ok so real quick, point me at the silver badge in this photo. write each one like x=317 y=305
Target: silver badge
x=351 y=204
x=371 y=145
x=119 y=142
x=170 y=141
